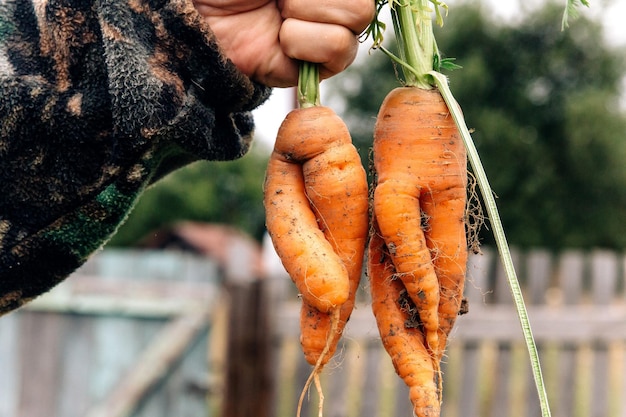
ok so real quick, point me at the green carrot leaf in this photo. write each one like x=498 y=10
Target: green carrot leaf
x=571 y=11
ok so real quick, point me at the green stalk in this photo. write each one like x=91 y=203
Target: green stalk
x=413 y=26
x=308 y=85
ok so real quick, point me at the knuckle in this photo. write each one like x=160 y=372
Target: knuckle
x=364 y=13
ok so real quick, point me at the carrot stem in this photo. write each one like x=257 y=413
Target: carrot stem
x=308 y=85
x=414 y=34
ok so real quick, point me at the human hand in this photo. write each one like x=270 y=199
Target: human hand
x=266 y=38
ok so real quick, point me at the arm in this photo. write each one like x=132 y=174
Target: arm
x=97 y=99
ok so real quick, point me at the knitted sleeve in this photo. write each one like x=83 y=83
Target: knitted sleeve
x=99 y=98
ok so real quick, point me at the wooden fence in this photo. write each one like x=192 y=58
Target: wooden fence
x=577 y=306
x=156 y=345
x=126 y=335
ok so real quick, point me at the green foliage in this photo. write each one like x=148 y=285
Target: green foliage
x=571 y=11
x=216 y=192
x=544 y=106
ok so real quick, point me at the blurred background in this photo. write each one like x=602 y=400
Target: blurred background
x=547 y=108
x=187 y=312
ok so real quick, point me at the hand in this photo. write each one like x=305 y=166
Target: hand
x=266 y=38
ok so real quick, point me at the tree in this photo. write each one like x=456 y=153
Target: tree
x=544 y=104
x=219 y=192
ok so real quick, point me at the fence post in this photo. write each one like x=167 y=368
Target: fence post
x=248 y=385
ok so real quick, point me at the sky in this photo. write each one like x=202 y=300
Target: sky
x=269 y=116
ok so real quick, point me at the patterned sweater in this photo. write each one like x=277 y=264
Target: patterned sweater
x=98 y=99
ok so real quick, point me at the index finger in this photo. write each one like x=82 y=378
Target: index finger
x=354 y=14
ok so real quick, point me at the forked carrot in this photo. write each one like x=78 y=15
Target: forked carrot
x=427 y=170
x=419 y=208
x=306 y=254
x=316 y=201
x=419 y=202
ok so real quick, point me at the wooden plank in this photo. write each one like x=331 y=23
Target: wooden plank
x=309 y=405
x=249 y=371
x=154 y=363
x=116 y=306
x=603 y=283
x=77 y=349
x=190 y=385
x=88 y=294
x=38 y=391
x=182 y=392
x=538 y=277
x=501 y=390
x=502 y=363
x=130 y=288
x=570 y=277
x=468 y=401
x=336 y=390
x=371 y=379
x=289 y=357
x=477 y=283
x=604 y=270
x=143 y=264
x=118 y=342
x=10 y=358
x=403 y=406
x=600 y=381
x=502 y=289
x=575 y=324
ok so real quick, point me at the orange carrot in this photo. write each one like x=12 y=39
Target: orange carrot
x=316 y=199
x=316 y=202
x=330 y=185
x=400 y=330
x=419 y=203
x=306 y=254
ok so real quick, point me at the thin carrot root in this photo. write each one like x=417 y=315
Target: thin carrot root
x=318 y=386
x=321 y=360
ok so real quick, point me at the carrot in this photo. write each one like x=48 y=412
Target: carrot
x=400 y=332
x=419 y=203
x=316 y=201
x=308 y=257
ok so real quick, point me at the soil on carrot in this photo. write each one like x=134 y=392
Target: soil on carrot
x=407 y=306
x=464 y=307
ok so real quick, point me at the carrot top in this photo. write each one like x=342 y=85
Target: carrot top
x=417 y=48
x=308 y=85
